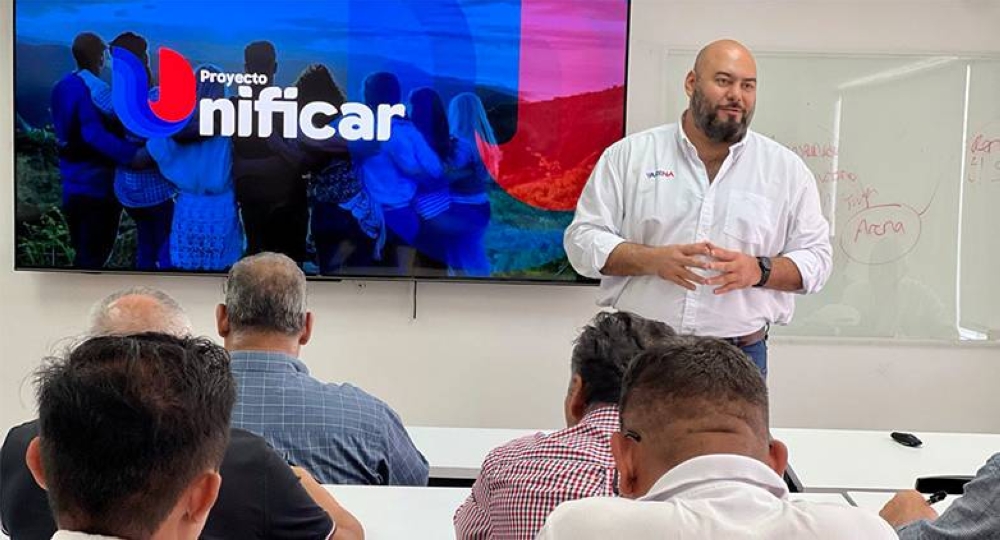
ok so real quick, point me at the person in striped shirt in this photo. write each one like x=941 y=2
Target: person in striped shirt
x=525 y=479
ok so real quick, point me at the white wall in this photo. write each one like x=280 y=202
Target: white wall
x=497 y=355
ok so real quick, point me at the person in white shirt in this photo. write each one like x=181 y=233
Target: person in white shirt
x=694 y=450
x=703 y=224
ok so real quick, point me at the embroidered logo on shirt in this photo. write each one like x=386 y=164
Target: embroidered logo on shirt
x=659 y=173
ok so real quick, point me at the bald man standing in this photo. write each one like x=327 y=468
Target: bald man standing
x=704 y=224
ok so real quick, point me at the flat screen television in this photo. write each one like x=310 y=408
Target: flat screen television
x=438 y=139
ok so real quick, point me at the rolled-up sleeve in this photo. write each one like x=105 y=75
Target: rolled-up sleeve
x=596 y=228
x=808 y=244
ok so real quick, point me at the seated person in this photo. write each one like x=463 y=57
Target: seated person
x=338 y=432
x=973 y=516
x=694 y=449
x=261 y=496
x=132 y=430
x=523 y=480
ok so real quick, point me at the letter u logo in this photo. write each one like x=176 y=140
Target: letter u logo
x=130 y=93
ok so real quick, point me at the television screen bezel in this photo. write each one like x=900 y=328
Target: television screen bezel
x=579 y=281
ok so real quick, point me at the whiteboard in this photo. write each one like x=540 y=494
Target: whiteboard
x=980 y=224
x=887 y=139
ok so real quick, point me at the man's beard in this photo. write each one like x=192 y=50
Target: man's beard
x=707 y=119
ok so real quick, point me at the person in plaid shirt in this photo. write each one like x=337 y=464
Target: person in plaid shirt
x=525 y=479
x=338 y=432
x=148 y=197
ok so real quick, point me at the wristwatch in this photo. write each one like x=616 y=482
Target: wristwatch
x=765 y=270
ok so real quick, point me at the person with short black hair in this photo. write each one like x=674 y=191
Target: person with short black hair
x=270 y=189
x=90 y=145
x=261 y=496
x=132 y=430
x=694 y=449
x=338 y=432
x=523 y=480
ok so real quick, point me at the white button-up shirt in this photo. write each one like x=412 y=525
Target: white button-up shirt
x=651 y=188
x=73 y=535
x=716 y=496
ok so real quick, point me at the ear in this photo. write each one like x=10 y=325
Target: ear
x=33 y=457
x=622 y=449
x=689 y=82
x=307 y=330
x=777 y=456
x=222 y=320
x=576 y=401
x=200 y=495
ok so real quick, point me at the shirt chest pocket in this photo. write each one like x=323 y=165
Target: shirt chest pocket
x=749 y=218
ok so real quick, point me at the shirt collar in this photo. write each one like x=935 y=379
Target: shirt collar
x=734 y=149
x=74 y=535
x=605 y=417
x=267 y=362
x=716 y=468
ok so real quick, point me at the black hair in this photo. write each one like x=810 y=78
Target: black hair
x=381 y=87
x=133 y=43
x=126 y=423
x=428 y=115
x=315 y=83
x=260 y=57
x=693 y=376
x=607 y=345
x=88 y=50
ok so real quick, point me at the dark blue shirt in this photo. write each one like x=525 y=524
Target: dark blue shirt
x=339 y=433
x=88 y=150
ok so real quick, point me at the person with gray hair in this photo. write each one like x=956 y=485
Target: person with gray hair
x=694 y=449
x=138 y=309
x=261 y=496
x=523 y=480
x=338 y=432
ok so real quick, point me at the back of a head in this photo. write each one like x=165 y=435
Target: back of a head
x=316 y=83
x=266 y=293
x=88 y=50
x=136 y=310
x=691 y=386
x=381 y=88
x=426 y=111
x=607 y=345
x=260 y=57
x=126 y=424
x=467 y=119
x=133 y=43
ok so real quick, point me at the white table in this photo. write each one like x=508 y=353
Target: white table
x=823 y=459
x=870 y=460
x=875 y=500
x=458 y=453
x=392 y=512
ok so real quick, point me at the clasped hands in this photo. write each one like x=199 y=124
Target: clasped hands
x=736 y=270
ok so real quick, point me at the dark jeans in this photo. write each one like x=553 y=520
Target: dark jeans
x=152 y=224
x=93 y=228
x=279 y=227
x=758 y=353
